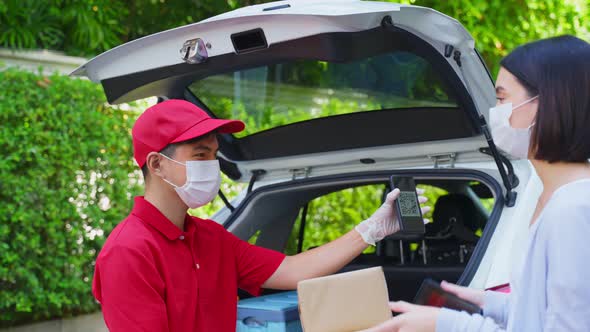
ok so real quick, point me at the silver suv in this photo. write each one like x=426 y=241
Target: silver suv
x=338 y=96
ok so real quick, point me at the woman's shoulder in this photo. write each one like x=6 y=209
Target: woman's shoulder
x=569 y=207
x=575 y=194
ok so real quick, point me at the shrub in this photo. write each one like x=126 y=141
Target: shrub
x=66 y=176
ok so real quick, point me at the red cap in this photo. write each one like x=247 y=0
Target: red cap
x=174 y=121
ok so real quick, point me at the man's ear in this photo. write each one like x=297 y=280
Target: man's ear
x=152 y=162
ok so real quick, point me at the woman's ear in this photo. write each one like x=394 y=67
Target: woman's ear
x=152 y=162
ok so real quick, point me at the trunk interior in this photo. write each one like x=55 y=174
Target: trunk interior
x=297 y=215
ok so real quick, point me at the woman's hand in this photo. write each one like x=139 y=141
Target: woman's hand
x=423 y=318
x=475 y=296
x=413 y=318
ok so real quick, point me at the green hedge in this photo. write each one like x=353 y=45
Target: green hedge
x=66 y=174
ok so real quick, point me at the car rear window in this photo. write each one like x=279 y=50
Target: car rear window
x=285 y=93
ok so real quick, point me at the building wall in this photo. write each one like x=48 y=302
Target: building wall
x=50 y=61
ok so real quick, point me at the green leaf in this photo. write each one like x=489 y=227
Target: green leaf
x=52 y=128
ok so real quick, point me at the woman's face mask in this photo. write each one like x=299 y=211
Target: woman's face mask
x=202 y=182
x=514 y=141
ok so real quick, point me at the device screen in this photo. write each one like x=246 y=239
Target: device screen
x=408 y=207
x=432 y=294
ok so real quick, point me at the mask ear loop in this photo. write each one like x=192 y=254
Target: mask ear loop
x=524 y=103
x=178 y=162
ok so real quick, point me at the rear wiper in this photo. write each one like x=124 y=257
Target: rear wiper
x=509 y=179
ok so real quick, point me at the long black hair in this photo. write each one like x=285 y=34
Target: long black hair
x=558 y=71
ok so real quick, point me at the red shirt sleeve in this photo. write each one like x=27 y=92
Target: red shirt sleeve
x=130 y=290
x=254 y=264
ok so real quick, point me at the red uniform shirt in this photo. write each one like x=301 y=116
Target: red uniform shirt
x=151 y=276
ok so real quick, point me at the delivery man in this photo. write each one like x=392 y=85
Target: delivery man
x=163 y=270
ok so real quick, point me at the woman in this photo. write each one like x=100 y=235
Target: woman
x=548 y=82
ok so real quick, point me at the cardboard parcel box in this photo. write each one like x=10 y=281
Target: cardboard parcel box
x=344 y=302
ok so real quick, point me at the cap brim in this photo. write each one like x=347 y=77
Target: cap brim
x=206 y=126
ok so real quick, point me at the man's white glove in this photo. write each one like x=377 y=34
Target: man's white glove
x=384 y=221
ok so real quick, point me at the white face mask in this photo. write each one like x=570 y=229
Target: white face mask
x=202 y=182
x=514 y=141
